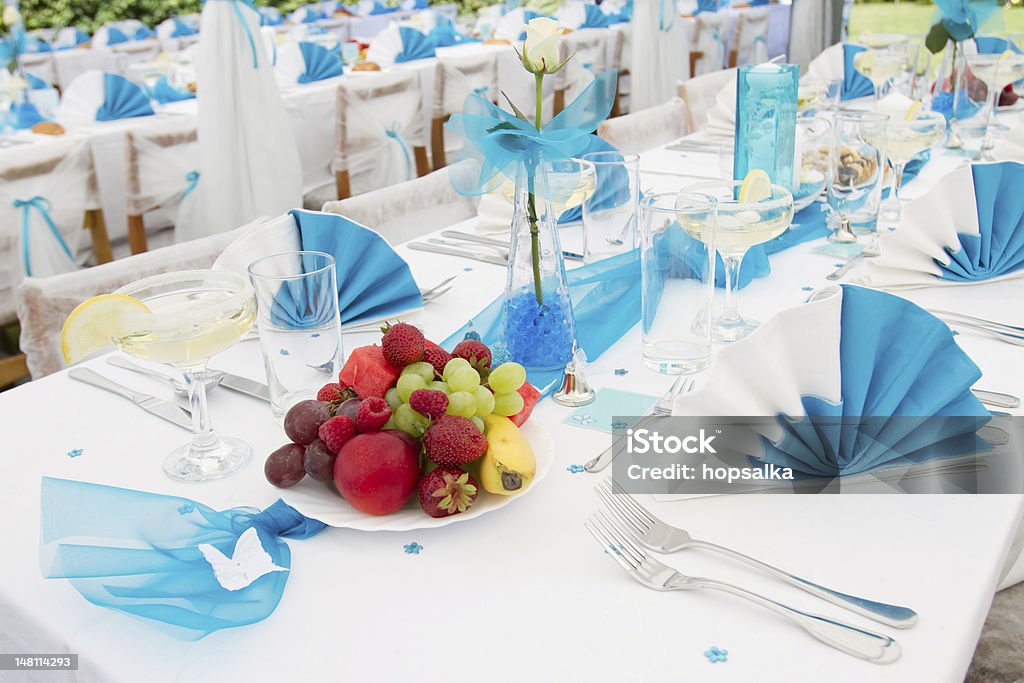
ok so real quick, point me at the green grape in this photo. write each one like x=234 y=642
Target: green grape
x=478 y=422
x=453 y=365
x=464 y=379
x=461 y=403
x=484 y=401
x=409 y=421
x=408 y=384
x=393 y=399
x=390 y=424
x=507 y=377
x=424 y=370
x=508 y=404
x=438 y=385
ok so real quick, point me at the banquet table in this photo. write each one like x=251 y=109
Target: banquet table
x=522 y=593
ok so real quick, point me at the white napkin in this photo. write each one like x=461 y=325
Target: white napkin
x=571 y=15
x=721 y=121
x=290 y=64
x=895 y=105
x=494 y=216
x=828 y=66
x=385 y=46
x=1011 y=147
x=82 y=98
x=264 y=237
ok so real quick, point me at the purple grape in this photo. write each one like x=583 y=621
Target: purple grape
x=319 y=461
x=284 y=467
x=303 y=420
x=349 y=408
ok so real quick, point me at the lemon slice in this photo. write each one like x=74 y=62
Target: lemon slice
x=91 y=325
x=756 y=187
x=913 y=111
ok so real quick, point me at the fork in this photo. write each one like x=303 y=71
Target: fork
x=654 y=534
x=663 y=407
x=874 y=647
x=870 y=251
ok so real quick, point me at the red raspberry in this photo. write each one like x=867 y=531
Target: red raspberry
x=447 y=491
x=476 y=352
x=336 y=431
x=429 y=402
x=454 y=440
x=329 y=392
x=373 y=414
x=402 y=344
x=437 y=357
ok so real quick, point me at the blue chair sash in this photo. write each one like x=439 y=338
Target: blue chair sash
x=42 y=206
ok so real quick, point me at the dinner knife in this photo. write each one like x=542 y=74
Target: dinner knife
x=151 y=404
x=244 y=385
x=494 y=242
x=451 y=251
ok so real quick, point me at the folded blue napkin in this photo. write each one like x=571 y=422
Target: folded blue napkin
x=156 y=557
x=593 y=17
x=605 y=301
x=37 y=83
x=415 y=45
x=624 y=15
x=320 y=63
x=906 y=395
x=994 y=45
x=25 y=115
x=122 y=99
x=444 y=34
x=373 y=281
x=115 y=36
x=81 y=38
x=855 y=84
x=707 y=6
x=183 y=29
x=999 y=248
x=380 y=8
x=164 y=93
x=144 y=33
x=270 y=16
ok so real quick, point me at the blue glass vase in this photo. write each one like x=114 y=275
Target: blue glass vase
x=766 y=104
x=539 y=325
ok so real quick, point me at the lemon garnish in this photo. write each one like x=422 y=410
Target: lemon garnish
x=756 y=187
x=94 y=322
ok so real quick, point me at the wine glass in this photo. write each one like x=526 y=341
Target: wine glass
x=813 y=146
x=996 y=72
x=855 y=174
x=739 y=226
x=880 y=66
x=905 y=139
x=194 y=314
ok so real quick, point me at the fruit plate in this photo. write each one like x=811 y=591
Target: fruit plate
x=322 y=501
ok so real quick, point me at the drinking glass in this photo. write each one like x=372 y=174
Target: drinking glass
x=855 y=174
x=299 y=324
x=609 y=214
x=996 y=72
x=194 y=314
x=677 y=263
x=739 y=226
x=903 y=141
x=569 y=183
x=810 y=94
x=880 y=66
x=813 y=147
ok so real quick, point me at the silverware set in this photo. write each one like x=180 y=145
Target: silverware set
x=474 y=247
x=627 y=530
x=1010 y=334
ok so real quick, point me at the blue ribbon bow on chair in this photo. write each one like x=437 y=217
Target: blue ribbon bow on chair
x=43 y=207
x=394 y=132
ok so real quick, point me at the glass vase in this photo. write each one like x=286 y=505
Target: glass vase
x=539 y=325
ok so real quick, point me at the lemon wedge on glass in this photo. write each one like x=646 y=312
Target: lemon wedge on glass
x=913 y=111
x=94 y=322
x=756 y=187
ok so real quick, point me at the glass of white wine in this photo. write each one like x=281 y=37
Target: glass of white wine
x=996 y=72
x=880 y=66
x=194 y=315
x=739 y=226
x=905 y=139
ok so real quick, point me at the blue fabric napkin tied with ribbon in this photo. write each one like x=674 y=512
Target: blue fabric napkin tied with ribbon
x=415 y=45
x=320 y=62
x=122 y=99
x=855 y=84
x=184 y=567
x=165 y=93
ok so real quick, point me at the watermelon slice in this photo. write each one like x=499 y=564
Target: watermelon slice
x=530 y=396
x=367 y=373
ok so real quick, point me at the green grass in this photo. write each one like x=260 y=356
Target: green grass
x=904 y=17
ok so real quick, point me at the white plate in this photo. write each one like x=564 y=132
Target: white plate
x=322 y=501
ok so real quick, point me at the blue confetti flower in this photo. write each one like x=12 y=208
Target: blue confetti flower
x=807 y=289
x=467 y=269
x=716 y=655
x=75 y=452
x=574 y=469
x=284 y=352
x=621 y=371
x=413 y=548
x=472 y=335
x=186 y=508
x=315 y=335
x=838 y=265
x=620 y=424
x=584 y=419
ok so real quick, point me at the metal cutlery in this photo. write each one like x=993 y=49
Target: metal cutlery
x=1017 y=339
x=870 y=251
x=663 y=407
x=501 y=251
x=1011 y=329
x=853 y=640
x=659 y=536
x=453 y=251
x=163 y=409
x=213 y=378
x=994 y=398
x=498 y=243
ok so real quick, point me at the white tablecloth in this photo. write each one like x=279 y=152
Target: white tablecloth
x=538 y=598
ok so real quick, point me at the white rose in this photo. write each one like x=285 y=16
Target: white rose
x=11 y=16
x=540 y=50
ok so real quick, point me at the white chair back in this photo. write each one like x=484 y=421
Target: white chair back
x=648 y=128
x=750 y=44
x=163 y=175
x=700 y=94
x=710 y=34
x=39 y=64
x=589 y=50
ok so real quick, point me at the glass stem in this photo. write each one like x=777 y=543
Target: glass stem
x=731 y=310
x=990 y=106
x=897 y=181
x=203 y=437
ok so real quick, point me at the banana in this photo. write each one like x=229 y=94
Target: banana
x=508 y=466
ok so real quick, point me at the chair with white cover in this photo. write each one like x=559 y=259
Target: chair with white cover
x=408 y=210
x=44 y=303
x=589 y=50
x=648 y=128
x=619 y=59
x=700 y=93
x=39 y=64
x=750 y=38
x=708 y=51
x=455 y=78
x=70 y=64
x=380 y=139
x=162 y=174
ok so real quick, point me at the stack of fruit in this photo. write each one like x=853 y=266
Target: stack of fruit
x=408 y=416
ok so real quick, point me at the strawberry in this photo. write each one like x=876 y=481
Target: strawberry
x=336 y=431
x=402 y=344
x=437 y=357
x=475 y=351
x=454 y=440
x=429 y=402
x=329 y=392
x=373 y=414
x=447 y=491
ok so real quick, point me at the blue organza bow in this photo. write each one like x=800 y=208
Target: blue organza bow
x=999 y=248
x=164 y=93
x=320 y=63
x=444 y=34
x=415 y=45
x=906 y=395
x=855 y=84
x=182 y=29
x=499 y=143
x=963 y=18
x=605 y=303
x=139 y=553
x=994 y=45
x=593 y=17
x=122 y=99
x=115 y=36
x=611 y=188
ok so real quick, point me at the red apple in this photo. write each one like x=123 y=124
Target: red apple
x=376 y=472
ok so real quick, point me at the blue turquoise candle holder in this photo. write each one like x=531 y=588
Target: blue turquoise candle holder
x=766 y=103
